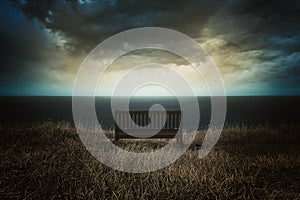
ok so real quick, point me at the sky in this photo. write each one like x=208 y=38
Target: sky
x=254 y=43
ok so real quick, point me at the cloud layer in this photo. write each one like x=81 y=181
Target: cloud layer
x=256 y=43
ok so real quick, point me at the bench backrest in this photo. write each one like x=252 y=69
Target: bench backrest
x=142 y=118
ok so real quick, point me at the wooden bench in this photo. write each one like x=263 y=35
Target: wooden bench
x=142 y=118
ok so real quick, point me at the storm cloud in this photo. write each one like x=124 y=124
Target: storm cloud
x=252 y=41
x=87 y=23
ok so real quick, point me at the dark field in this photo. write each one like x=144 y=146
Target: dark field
x=47 y=160
x=249 y=109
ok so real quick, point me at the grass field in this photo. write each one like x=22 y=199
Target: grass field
x=48 y=160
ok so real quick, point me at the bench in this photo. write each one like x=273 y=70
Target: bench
x=142 y=118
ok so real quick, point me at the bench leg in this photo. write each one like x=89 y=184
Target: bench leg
x=116 y=136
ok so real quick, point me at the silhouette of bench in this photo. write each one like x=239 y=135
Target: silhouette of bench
x=142 y=118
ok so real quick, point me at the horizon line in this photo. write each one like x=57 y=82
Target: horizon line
x=267 y=95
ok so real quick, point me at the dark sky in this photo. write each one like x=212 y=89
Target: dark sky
x=255 y=43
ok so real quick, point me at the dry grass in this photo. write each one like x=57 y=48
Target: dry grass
x=47 y=160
